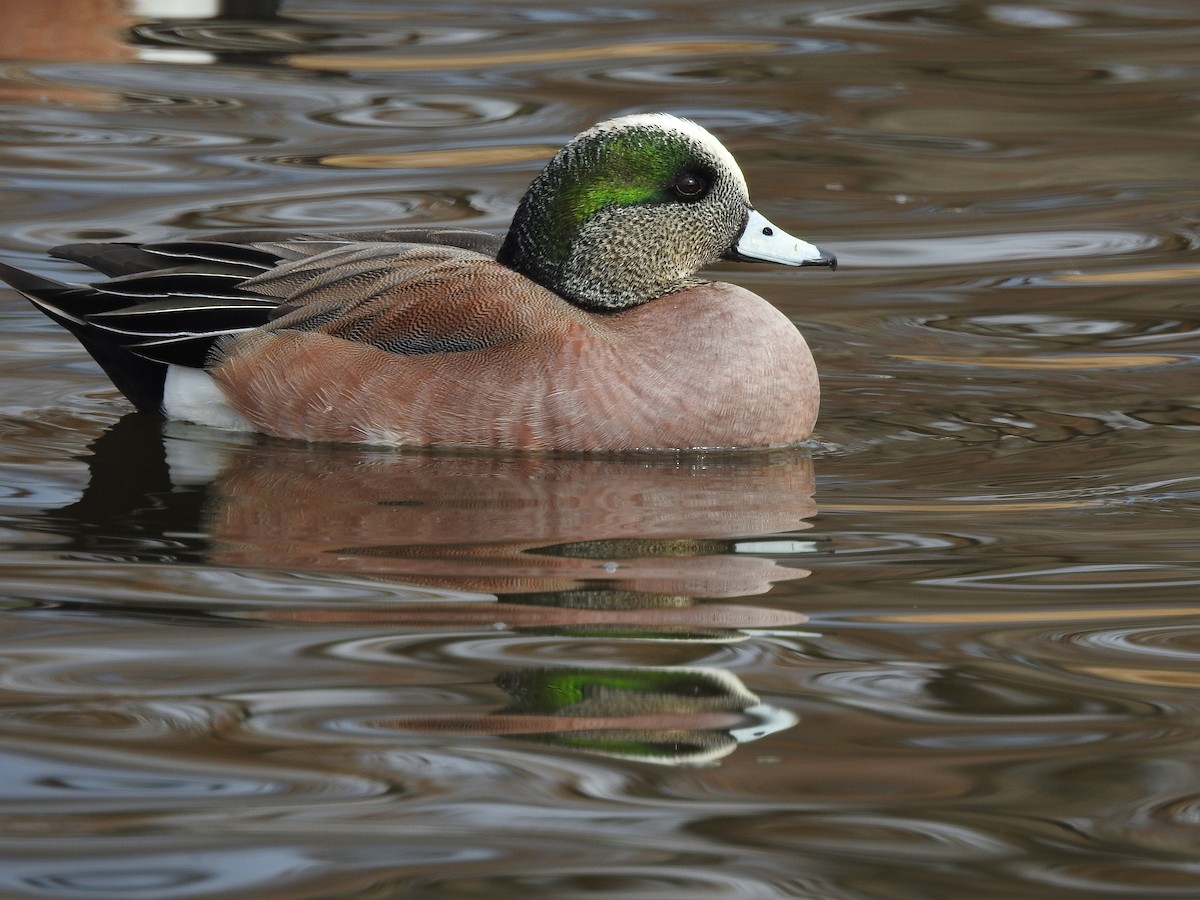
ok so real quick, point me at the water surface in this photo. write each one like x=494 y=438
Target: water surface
x=950 y=649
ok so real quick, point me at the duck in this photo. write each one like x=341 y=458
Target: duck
x=585 y=328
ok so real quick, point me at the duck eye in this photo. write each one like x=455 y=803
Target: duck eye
x=689 y=186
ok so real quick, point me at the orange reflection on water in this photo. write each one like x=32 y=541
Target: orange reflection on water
x=701 y=49
x=1090 y=361
x=434 y=159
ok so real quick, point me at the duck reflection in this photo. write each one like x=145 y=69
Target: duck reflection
x=633 y=541
x=664 y=716
x=634 y=548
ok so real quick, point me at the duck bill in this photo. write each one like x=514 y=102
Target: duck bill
x=761 y=241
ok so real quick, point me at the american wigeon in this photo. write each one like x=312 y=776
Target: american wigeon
x=584 y=328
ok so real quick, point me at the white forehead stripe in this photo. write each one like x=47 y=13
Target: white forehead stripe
x=684 y=127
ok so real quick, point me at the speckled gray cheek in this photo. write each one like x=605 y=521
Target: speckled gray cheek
x=626 y=256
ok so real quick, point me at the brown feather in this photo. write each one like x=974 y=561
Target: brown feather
x=506 y=363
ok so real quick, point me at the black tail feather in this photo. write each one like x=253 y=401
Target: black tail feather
x=168 y=303
x=110 y=259
x=139 y=379
x=133 y=340
x=130 y=259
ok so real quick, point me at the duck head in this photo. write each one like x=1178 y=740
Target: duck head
x=633 y=207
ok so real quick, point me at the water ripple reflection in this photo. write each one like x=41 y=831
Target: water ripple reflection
x=119 y=719
x=240 y=667
x=956 y=250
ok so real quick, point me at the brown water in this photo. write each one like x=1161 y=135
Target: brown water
x=966 y=666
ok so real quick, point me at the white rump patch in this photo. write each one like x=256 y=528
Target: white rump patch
x=193 y=396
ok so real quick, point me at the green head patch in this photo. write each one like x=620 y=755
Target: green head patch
x=630 y=168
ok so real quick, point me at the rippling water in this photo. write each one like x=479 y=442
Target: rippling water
x=951 y=649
